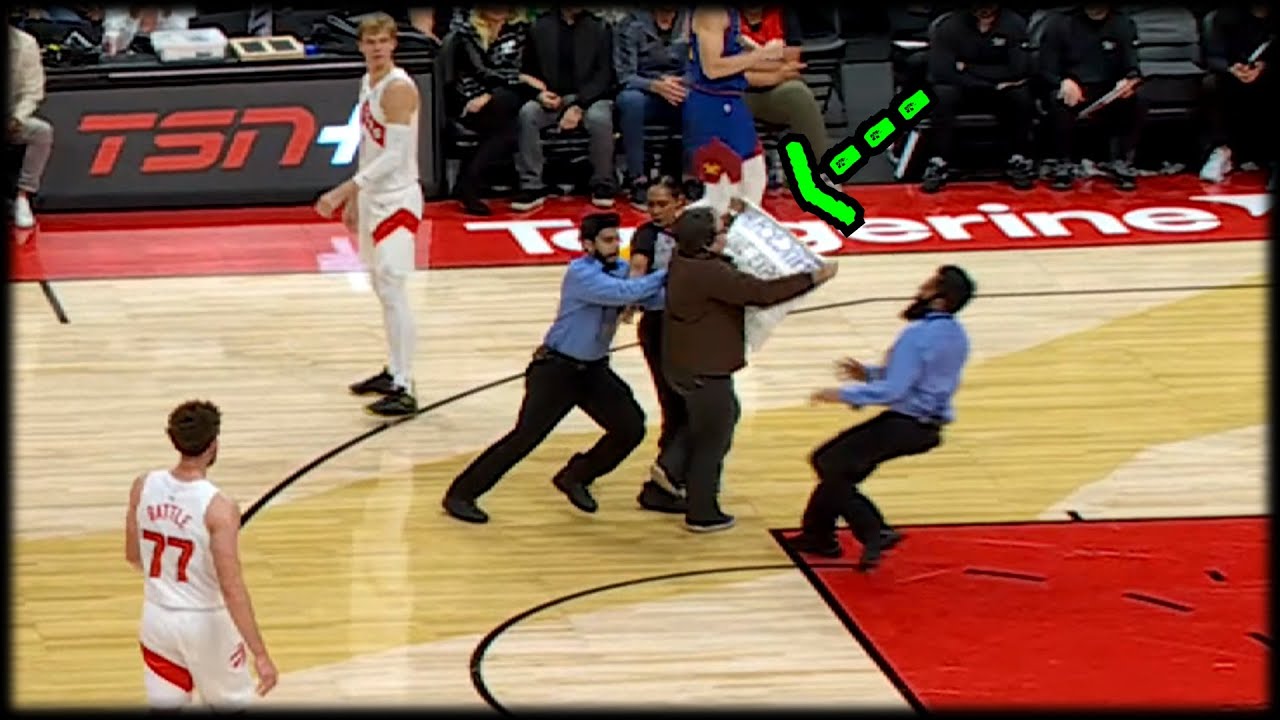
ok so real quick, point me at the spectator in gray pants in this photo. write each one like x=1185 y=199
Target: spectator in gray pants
x=570 y=51
x=26 y=92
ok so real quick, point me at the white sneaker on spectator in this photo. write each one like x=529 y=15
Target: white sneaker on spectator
x=22 y=215
x=1217 y=166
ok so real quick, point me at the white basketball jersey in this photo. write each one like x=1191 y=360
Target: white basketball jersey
x=177 y=557
x=373 y=127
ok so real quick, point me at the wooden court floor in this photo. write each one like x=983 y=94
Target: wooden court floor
x=1115 y=382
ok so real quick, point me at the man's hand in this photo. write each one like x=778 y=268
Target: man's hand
x=267 y=673
x=825 y=395
x=1252 y=72
x=571 y=118
x=790 y=70
x=1071 y=92
x=549 y=100
x=850 y=369
x=670 y=88
x=1126 y=86
x=329 y=202
x=773 y=50
x=825 y=273
x=628 y=314
x=475 y=104
x=1239 y=70
x=351 y=216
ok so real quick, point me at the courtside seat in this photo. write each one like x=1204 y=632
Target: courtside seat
x=1170 y=58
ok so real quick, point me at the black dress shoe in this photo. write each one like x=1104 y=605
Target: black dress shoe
x=652 y=497
x=813 y=545
x=576 y=492
x=870 y=559
x=889 y=538
x=465 y=510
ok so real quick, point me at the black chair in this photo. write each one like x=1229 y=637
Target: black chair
x=1171 y=59
x=822 y=49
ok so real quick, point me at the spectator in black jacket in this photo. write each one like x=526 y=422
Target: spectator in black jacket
x=488 y=92
x=1086 y=54
x=1238 y=90
x=650 y=51
x=571 y=51
x=979 y=59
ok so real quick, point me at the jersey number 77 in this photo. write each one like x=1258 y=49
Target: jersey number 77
x=183 y=545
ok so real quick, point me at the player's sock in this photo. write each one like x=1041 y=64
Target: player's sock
x=755 y=179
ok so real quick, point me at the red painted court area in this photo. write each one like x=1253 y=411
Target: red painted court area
x=978 y=216
x=1160 y=613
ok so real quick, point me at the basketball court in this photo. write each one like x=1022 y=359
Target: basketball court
x=1092 y=531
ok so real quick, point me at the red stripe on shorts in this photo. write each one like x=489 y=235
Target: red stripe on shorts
x=399 y=219
x=167 y=669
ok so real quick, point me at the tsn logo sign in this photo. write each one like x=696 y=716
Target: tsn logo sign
x=195 y=141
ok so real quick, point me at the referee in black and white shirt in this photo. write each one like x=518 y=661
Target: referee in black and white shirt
x=652 y=246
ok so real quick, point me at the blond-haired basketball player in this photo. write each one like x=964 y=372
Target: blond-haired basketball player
x=382 y=204
x=198 y=632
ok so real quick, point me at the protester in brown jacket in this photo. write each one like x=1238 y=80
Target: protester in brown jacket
x=704 y=343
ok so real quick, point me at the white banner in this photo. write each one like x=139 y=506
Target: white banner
x=761 y=246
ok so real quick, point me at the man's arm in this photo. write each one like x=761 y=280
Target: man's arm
x=600 y=80
x=729 y=285
x=1053 y=52
x=1216 y=55
x=944 y=56
x=1128 y=37
x=709 y=25
x=589 y=284
x=905 y=365
x=132 y=552
x=626 y=56
x=30 y=90
x=223 y=520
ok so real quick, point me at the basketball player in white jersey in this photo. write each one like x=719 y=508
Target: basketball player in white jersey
x=382 y=205
x=198 y=632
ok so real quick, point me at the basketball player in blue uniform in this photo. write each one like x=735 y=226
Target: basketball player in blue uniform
x=715 y=109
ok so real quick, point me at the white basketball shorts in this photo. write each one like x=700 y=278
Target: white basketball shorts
x=186 y=651
x=388 y=229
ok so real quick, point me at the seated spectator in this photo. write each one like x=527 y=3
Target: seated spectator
x=980 y=60
x=26 y=92
x=777 y=94
x=487 y=94
x=1086 y=53
x=650 y=50
x=1236 y=91
x=122 y=25
x=570 y=50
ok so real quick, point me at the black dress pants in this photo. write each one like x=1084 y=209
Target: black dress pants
x=847 y=459
x=1240 y=115
x=674 y=415
x=496 y=124
x=1119 y=123
x=700 y=444
x=1014 y=106
x=554 y=385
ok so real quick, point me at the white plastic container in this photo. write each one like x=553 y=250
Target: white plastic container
x=198 y=44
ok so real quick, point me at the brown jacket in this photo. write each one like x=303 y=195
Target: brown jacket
x=704 y=323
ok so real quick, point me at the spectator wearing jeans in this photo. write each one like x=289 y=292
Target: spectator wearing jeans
x=651 y=48
x=570 y=51
x=488 y=93
x=26 y=92
x=778 y=94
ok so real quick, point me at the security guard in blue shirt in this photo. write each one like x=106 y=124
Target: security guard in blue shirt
x=571 y=369
x=916 y=384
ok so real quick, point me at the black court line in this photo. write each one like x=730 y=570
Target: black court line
x=54 y=302
x=486 y=643
x=1216 y=575
x=850 y=624
x=313 y=464
x=1153 y=600
x=1006 y=574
